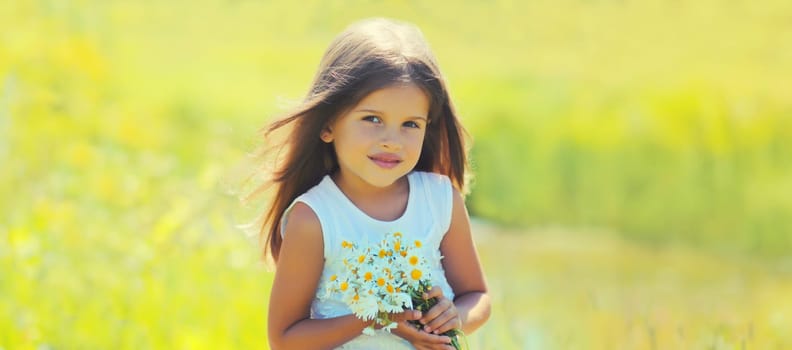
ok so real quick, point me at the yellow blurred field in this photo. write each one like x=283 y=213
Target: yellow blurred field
x=555 y=289
x=632 y=162
x=552 y=289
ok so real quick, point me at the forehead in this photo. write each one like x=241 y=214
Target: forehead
x=404 y=99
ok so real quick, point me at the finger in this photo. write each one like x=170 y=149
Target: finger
x=418 y=336
x=434 y=292
x=453 y=323
x=441 y=319
x=407 y=315
x=434 y=339
x=408 y=331
x=435 y=347
x=442 y=305
x=445 y=346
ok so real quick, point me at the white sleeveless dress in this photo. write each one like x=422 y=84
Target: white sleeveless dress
x=427 y=218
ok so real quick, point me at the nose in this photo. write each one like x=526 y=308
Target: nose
x=391 y=140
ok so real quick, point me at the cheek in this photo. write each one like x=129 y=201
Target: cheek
x=352 y=137
x=416 y=141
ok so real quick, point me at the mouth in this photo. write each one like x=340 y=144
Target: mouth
x=385 y=160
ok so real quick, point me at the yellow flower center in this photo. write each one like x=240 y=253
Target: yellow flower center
x=344 y=286
x=418 y=243
x=413 y=260
x=403 y=253
x=361 y=258
x=368 y=276
x=390 y=288
x=333 y=277
x=416 y=274
x=380 y=281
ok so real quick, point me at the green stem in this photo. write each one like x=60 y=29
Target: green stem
x=423 y=305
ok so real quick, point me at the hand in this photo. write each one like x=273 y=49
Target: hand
x=443 y=316
x=418 y=338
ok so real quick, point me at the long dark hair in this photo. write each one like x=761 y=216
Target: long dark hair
x=367 y=56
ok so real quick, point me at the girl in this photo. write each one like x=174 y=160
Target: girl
x=375 y=147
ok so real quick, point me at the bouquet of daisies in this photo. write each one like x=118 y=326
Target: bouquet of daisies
x=384 y=278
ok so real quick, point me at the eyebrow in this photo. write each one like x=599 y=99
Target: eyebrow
x=380 y=112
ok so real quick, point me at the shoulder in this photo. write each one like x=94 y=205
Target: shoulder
x=458 y=201
x=302 y=223
x=435 y=184
x=317 y=193
x=432 y=178
x=307 y=209
x=438 y=197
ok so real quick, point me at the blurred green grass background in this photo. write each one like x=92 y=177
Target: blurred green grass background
x=632 y=166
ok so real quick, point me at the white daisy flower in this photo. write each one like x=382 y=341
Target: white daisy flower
x=377 y=280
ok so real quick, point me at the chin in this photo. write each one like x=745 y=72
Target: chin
x=385 y=181
x=382 y=183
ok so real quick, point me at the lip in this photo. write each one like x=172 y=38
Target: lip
x=385 y=160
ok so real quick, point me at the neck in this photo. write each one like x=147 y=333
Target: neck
x=356 y=189
x=381 y=203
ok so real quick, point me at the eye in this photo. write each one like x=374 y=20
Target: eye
x=412 y=124
x=373 y=119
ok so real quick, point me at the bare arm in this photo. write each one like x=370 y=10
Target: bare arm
x=463 y=270
x=297 y=276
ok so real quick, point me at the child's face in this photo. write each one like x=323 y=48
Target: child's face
x=379 y=140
